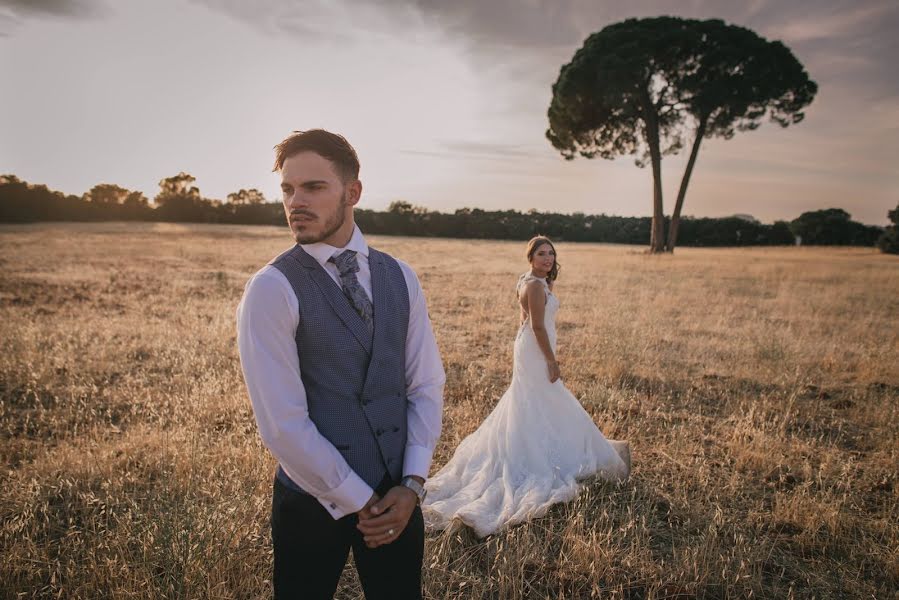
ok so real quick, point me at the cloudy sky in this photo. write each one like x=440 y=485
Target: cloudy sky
x=445 y=102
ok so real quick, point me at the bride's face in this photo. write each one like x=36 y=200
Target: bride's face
x=543 y=259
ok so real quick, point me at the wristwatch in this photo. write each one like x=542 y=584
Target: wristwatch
x=419 y=489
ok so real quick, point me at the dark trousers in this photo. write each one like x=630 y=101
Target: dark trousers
x=311 y=549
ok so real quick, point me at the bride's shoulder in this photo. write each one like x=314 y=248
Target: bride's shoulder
x=529 y=281
x=522 y=281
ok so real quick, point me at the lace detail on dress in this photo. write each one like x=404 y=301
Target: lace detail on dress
x=527 y=277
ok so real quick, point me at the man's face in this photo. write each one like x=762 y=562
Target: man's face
x=319 y=207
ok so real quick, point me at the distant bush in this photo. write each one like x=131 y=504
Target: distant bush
x=889 y=240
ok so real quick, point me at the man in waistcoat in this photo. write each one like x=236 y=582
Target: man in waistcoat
x=346 y=384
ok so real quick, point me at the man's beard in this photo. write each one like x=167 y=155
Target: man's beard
x=334 y=222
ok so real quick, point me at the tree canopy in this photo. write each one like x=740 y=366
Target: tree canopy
x=642 y=86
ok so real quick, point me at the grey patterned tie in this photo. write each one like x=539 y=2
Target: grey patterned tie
x=347 y=267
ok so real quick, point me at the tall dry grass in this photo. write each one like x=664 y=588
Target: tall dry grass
x=758 y=388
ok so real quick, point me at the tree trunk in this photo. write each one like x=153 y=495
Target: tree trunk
x=682 y=192
x=657 y=236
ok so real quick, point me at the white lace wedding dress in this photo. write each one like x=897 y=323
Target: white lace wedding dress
x=528 y=454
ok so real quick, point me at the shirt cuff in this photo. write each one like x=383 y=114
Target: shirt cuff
x=348 y=497
x=417 y=461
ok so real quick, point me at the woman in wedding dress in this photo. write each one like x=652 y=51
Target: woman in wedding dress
x=538 y=442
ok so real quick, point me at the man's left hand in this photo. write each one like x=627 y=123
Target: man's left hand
x=386 y=519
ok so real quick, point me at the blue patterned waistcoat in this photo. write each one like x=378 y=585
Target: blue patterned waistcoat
x=355 y=381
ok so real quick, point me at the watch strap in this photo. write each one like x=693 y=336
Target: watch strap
x=416 y=487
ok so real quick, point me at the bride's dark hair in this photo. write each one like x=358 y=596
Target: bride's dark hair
x=534 y=244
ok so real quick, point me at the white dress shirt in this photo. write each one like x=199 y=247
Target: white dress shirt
x=267 y=319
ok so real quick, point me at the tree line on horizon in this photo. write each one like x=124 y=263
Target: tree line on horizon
x=179 y=200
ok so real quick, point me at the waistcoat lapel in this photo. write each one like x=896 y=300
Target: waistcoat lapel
x=379 y=300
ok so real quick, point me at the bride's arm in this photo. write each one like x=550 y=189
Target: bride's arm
x=536 y=303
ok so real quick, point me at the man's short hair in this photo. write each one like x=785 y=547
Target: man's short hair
x=330 y=146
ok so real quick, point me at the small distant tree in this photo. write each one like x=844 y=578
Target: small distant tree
x=246 y=197
x=405 y=218
x=889 y=240
x=833 y=227
x=780 y=234
x=178 y=188
x=110 y=201
x=136 y=207
x=107 y=194
x=401 y=207
x=179 y=200
x=821 y=227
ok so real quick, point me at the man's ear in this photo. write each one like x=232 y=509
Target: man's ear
x=354 y=192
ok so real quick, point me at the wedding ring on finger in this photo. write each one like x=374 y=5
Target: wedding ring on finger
x=390 y=532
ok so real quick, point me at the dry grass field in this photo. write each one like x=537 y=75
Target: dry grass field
x=758 y=388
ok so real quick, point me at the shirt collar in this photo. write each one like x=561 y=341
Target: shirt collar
x=322 y=252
